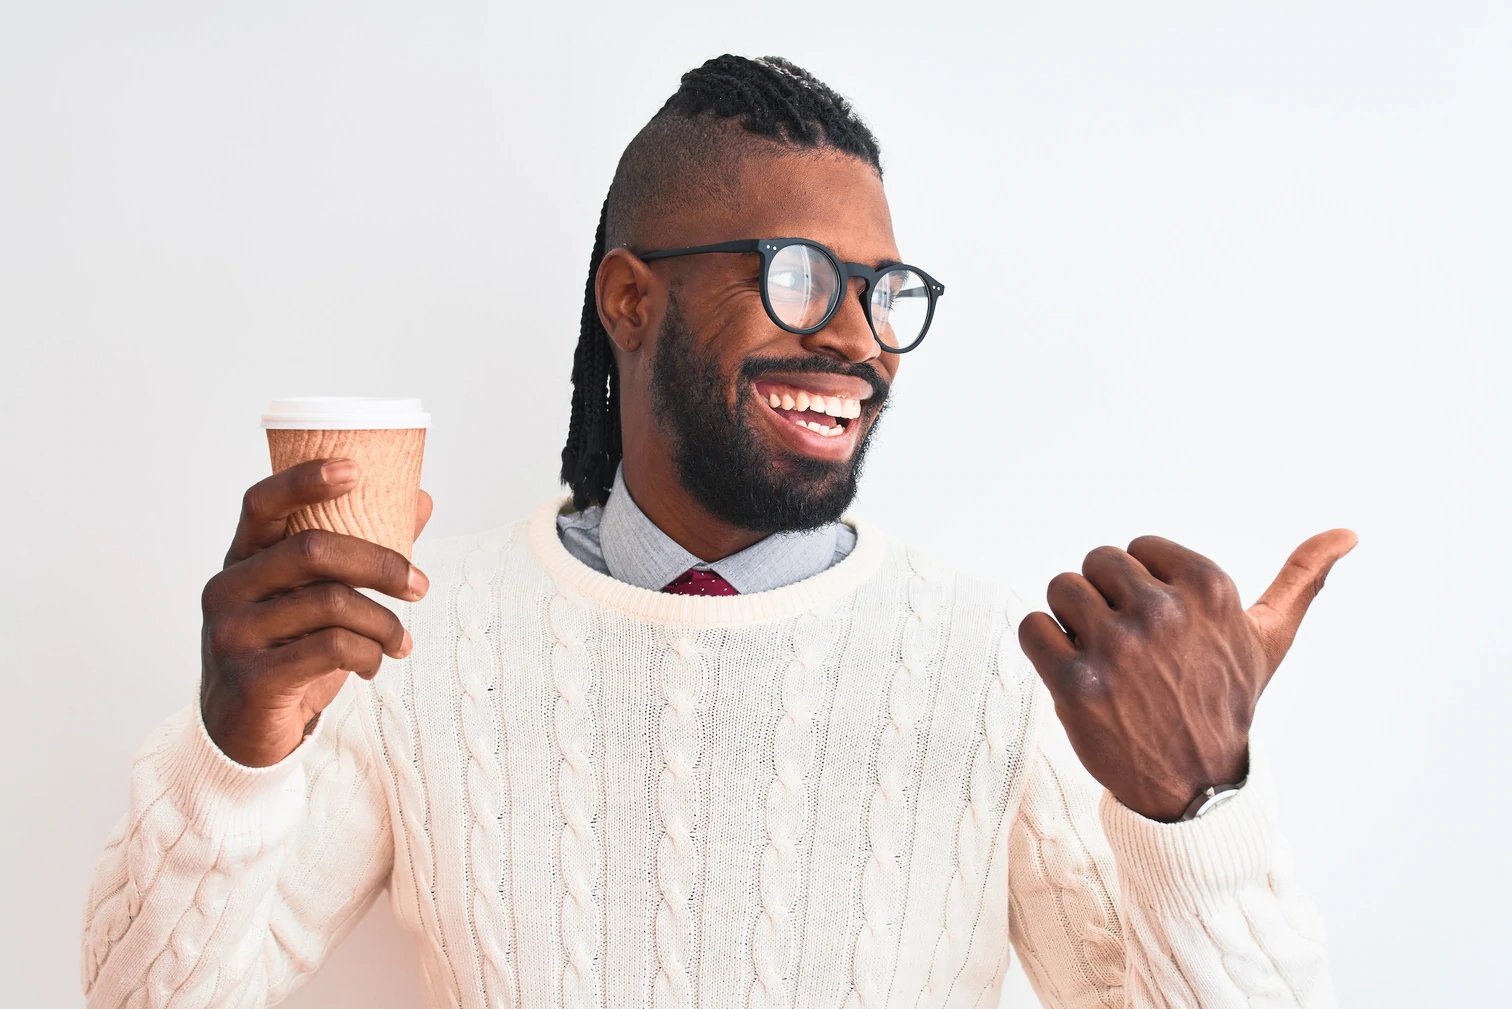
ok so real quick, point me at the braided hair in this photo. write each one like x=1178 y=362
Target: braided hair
x=688 y=153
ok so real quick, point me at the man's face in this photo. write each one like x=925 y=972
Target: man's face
x=719 y=359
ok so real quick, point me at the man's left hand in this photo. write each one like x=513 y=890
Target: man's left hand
x=1156 y=669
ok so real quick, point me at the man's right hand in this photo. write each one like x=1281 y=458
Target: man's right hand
x=283 y=622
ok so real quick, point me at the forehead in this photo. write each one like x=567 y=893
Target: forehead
x=829 y=197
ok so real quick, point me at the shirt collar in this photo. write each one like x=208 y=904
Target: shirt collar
x=637 y=551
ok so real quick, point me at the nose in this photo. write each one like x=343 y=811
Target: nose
x=847 y=336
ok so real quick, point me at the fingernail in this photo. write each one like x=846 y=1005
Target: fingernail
x=407 y=645
x=340 y=472
x=418 y=583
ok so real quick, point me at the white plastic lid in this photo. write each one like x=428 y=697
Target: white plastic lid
x=344 y=413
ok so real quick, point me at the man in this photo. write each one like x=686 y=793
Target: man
x=692 y=738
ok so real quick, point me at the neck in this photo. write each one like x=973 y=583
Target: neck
x=661 y=496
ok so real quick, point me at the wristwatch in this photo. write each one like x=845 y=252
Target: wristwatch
x=1213 y=795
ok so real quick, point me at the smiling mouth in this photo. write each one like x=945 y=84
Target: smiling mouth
x=827 y=414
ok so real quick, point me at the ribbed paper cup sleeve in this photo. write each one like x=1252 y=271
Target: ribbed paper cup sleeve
x=382 y=506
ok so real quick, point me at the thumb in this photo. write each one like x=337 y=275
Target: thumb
x=1278 y=612
x=422 y=511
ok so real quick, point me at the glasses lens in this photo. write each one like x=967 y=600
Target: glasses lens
x=801 y=285
x=899 y=308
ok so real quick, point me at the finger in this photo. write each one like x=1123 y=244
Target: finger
x=1171 y=562
x=423 y=510
x=292 y=665
x=1045 y=644
x=1077 y=604
x=326 y=604
x=1121 y=577
x=267 y=504
x=318 y=555
x=1279 y=610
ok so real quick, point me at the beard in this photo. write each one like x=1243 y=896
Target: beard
x=729 y=468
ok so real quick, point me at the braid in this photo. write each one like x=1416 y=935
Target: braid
x=778 y=99
x=592 y=451
x=658 y=175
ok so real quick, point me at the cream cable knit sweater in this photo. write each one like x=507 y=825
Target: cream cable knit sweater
x=849 y=791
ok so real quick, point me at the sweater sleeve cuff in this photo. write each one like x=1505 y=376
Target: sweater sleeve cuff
x=219 y=796
x=1194 y=867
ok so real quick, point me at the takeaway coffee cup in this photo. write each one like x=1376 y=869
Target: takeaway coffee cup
x=385 y=437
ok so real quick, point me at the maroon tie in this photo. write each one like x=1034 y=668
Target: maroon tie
x=694 y=582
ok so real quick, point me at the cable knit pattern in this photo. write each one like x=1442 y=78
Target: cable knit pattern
x=191 y=907
x=129 y=862
x=293 y=952
x=396 y=734
x=109 y=881
x=1078 y=890
x=572 y=667
x=170 y=969
x=1003 y=721
x=487 y=783
x=580 y=793
x=889 y=818
x=677 y=803
x=774 y=940
x=1007 y=713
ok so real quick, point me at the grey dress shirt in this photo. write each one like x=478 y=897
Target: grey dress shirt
x=617 y=539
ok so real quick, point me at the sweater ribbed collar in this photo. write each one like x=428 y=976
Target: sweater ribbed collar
x=820 y=591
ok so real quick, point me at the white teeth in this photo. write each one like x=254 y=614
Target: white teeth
x=833 y=406
x=818 y=428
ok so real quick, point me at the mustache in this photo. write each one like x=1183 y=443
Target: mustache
x=753 y=369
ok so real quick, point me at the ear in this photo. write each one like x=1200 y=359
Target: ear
x=625 y=289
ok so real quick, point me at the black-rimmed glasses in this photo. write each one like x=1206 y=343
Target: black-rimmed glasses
x=803 y=281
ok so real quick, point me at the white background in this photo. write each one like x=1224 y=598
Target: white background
x=1227 y=274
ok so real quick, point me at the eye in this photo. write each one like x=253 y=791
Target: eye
x=792 y=287
x=800 y=284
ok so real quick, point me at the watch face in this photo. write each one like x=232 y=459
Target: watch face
x=1215 y=801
